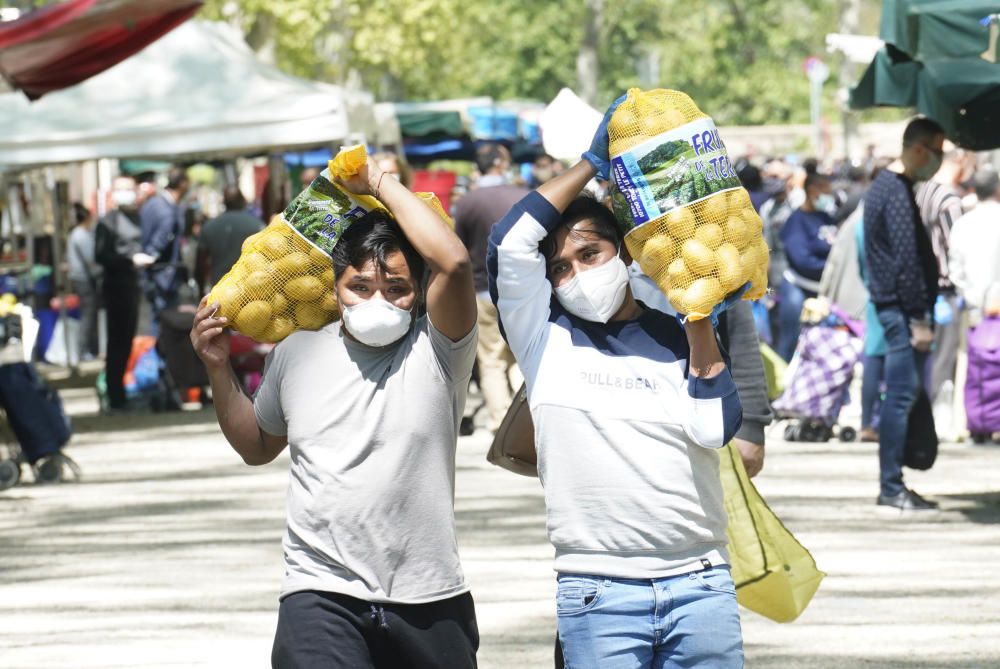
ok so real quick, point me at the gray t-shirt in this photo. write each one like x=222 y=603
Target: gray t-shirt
x=372 y=433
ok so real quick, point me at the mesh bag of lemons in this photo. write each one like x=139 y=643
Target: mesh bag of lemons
x=283 y=280
x=687 y=220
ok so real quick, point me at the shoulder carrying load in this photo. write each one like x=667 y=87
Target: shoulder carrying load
x=686 y=218
x=283 y=281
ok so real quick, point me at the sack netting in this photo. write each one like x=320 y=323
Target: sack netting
x=687 y=220
x=284 y=280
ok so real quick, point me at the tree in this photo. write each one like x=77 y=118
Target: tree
x=741 y=60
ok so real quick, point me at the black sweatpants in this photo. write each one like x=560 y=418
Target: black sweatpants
x=121 y=302
x=324 y=630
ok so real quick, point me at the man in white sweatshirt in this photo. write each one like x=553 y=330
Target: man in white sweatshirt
x=628 y=407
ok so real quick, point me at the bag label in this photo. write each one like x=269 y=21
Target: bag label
x=323 y=212
x=674 y=169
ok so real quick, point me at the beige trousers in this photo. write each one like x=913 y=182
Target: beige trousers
x=498 y=373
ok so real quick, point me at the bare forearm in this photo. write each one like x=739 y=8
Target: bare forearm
x=431 y=236
x=705 y=357
x=235 y=413
x=563 y=189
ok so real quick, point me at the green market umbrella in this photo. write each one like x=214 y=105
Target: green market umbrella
x=940 y=56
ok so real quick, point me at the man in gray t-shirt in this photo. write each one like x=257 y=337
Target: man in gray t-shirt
x=370 y=409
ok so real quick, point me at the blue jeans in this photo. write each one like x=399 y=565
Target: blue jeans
x=903 y=369
x=871 y=387
x=690 y=620
x=790 y=300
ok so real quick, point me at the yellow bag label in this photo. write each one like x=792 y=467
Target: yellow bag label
x=674 y=169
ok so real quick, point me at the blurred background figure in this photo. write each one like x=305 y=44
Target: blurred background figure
x=162 y=223
x=543 y=168
x=475 y=215
x=974 y=249
x=222 y=238
x=85 y=278
x=806 y=237
x=390 y=163
x=118 y=249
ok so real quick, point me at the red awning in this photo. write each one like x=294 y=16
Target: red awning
x=61 y=45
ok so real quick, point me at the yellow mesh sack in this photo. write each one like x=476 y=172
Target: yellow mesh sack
x=283 y=280
x=687 y=220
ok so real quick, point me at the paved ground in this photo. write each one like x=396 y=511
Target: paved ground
x=168 y=555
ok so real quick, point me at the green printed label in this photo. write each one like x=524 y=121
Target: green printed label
x=323 y=212
x=671 y=170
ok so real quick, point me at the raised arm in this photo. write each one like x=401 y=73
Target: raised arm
x=451 y=295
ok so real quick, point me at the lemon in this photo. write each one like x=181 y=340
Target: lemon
x=305 y=288
x=229 y=295
x=709 y=234
x=278 y=329
x=326 y=278
x=653 y=124
x=702 y=296
x=310 y=317
x=674 y=118
x=681 y=223
x=250 y=241
x=698 y=258
x=731 y=274
x=739 y=199
x=254 y=318
x=752 y=220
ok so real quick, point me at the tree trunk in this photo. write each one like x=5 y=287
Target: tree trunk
x=261 y=36
x=587 y=66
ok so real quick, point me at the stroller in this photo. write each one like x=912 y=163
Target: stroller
x=34 y=415
x=819 y=375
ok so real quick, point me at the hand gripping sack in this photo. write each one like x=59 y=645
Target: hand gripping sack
x=687 y=220
x=774 y=574
x=283 y=281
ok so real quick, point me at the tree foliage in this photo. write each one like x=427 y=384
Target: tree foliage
x=741 y=60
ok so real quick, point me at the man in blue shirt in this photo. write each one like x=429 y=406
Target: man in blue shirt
x=161 y=220
x=903 y=280
x=806 y=237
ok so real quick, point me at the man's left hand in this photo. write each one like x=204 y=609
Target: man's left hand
x=752 y=455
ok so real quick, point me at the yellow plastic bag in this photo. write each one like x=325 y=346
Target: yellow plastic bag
x=774 y=574
x=283 y=280
x=688 y=222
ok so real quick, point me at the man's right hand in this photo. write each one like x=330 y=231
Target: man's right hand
x=210 y=336
x=921 y=337
x=141 y=260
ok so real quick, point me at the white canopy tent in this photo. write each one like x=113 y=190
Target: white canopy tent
x=198 y=91
x=568 y=124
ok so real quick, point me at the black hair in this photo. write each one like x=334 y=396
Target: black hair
x=375 y=236
x=750 y=177
x=487 y=154
x=921 y=130
x=80 y=213
x=815 y=179
x=233 y=198
x=585 y=208
x=810 y=165
x=176 y=177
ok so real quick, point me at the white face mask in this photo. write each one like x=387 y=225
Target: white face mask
x=827 y=203
x=597 y=294
x=123 y=198
x=376 y=322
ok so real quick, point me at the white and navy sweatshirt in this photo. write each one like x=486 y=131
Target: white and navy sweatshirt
x=625 y=436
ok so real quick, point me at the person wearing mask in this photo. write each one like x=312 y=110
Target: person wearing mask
x=475 y=214
x=118 y=250
x=162 y=222
x=628 y=407
x=85 y=279
x=370 y=407
x=974 y=252
x=806 y=237
x=902 y=280
x=390 y=163
x=222 y=238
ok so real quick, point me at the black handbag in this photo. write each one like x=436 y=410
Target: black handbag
x=921 y=446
